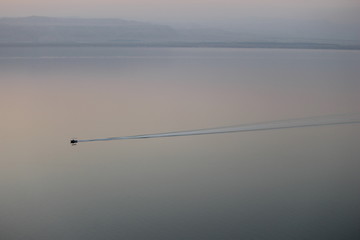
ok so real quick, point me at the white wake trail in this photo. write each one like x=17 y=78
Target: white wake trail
x=282 y=124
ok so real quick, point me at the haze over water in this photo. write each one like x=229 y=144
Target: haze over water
x=283 y=184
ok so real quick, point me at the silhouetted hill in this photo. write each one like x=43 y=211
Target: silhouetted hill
x=49 y=31
x=60 y=30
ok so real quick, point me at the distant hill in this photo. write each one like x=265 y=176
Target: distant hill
x=60 y=30
x=49 y=31
x=80 y=30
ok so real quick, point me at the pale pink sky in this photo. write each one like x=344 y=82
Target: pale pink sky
x=186 y=10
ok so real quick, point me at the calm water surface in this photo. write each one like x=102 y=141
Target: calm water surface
x=284 y=184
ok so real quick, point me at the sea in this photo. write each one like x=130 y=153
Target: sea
x=300 y=183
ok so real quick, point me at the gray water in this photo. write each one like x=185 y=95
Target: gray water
x=300 y=183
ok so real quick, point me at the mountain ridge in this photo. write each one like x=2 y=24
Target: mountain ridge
x=41 y=30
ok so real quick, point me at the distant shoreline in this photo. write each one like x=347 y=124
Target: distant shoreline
x=269 y=45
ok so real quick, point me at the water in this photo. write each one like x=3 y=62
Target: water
x=283 y=184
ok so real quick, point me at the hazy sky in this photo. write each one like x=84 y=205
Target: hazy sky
x=196 y=11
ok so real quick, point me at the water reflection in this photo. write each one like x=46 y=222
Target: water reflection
x=286 y=184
